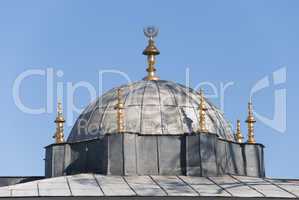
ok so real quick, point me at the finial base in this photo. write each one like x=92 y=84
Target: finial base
x=251 y=140
x=60 y=140
x=203 y=131
x=151 y=78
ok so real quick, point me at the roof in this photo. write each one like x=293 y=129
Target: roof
x=12 y=180
x=94 y=185
x=150 y=108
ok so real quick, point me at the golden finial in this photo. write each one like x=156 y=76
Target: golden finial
x=239 y=135
x=120 y=112
x=202 y=113
x=151 y=51
x=250 y=121
x=59 y=135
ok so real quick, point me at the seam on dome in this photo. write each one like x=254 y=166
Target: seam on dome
x=131 y=88
x=177 y=106
x=126 y=96
x=104 y=111
x=217 y=129
x=212 y=118
x=194 y=109
x=141 y=106
x=219 y=118
x=91 y=115
x=161 y=116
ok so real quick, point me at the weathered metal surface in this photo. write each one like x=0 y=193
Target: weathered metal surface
x=56 y=155
x=132 y=122
x=78 y=158
x=234 y=187
x=5 y=192
x=114 y=186
x=254 y=160
x=266 y=188
x=174 y=186
x=115 y=154
x=170 y=156
x=130 y=155
x=151 y=120
x=97 y=156
x=93 y=185
x=235 y=161
x=198 y=154
x=49 y=161
x=189 y=118
x=138 y=183
x=84 y=185
x=54 y=187
x=151 y=94
x=204 y=186
x=221 y=157
x=26 y=189
x=147 y=155
x=289 y=185
x=208 y=154
x=150 y=107
x=193 y=159
x=171 y=120
x=13 y=180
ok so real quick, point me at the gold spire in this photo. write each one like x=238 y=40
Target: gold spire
x=151 y=51
x=239 y=135
x=202 y=113
x=250 y=121
x=59 y=135
x=120 y=112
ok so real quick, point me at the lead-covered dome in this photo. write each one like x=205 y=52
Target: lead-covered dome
x=150 y=108
x=154 y=127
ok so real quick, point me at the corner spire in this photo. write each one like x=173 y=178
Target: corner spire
x=151 y=51
x=119 y=107
x=202 y=113
x=59 y=134
x=250 y=121
x=239 y=136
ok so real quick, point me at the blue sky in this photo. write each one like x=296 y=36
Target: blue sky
x=219 y=41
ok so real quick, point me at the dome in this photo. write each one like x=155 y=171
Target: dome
x=154 y=127
x=150 y=108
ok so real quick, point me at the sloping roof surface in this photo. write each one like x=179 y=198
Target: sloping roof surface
x=100 y=185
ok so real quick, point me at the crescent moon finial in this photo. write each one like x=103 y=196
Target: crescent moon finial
x=151 y=51
x=151 y=32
